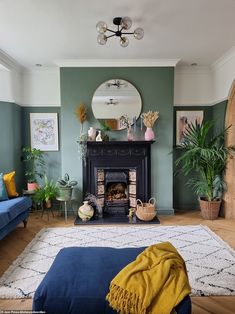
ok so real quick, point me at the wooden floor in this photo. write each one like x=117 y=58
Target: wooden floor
x=12 y=245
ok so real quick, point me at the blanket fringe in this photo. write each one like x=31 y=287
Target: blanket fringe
x=124 y=301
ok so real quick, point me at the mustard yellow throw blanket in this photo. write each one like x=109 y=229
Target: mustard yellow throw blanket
x=154 y=283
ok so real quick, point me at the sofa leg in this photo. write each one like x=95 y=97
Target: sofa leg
x=25 y=222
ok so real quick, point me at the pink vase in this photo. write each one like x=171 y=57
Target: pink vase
x=149 y=134
x=130 y=135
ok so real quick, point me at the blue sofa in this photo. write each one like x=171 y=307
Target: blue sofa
x=79 y=279
x=13 y=212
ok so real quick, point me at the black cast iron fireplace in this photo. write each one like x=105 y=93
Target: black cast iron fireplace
x=118 y=173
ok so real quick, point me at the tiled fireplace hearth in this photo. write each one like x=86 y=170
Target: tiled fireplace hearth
x=118 y=173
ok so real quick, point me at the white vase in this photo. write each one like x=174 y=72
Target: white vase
x=98 y=137
x=91 y=133
x=85 y=212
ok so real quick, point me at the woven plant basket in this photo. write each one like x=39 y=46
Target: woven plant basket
x=210 y=210
x=146 y=211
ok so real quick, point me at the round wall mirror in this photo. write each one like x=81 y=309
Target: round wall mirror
x=113 y=99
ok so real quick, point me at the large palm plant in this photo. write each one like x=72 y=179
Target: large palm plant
x=207 y=155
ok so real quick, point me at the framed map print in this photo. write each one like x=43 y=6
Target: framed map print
x=44 y=131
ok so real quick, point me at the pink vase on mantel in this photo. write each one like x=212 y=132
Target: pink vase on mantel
x=130 y=135
x=149 y=134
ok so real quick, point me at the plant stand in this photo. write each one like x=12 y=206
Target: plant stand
x=65 y=205
x=48 y=210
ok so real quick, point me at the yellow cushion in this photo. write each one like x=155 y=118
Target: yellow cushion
x=9 y=180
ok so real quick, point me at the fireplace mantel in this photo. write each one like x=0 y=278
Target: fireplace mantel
x=119 y=155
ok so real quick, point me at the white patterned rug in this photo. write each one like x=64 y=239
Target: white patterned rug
x=210 y=261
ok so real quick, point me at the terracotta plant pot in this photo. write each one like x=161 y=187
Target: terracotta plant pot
x=32 y=186
x=47 y=204
x=210 y=209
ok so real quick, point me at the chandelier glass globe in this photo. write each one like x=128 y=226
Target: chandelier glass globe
x=101 y=27
x=101 y=39
x=139 y=33
x=126 y=23
x=124 y=41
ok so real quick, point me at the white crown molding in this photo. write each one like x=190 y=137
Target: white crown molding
x=3 y=68
x=192 y=70
x=215 y=102
x=117 y=62
x=38 y=105
x=224 y=59
x=193 y=105
x=7 y=100
x=48 y=69
x=202 y=105
x=9 y=63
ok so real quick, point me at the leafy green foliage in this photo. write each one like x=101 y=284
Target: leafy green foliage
x=35 y=163
x=47 y=192
x=207 y=155
x=65 y=183
x=105 y=128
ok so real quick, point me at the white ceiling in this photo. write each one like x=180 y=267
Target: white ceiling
x=42 y=31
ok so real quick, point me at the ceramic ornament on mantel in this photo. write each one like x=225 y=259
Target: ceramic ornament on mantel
x=99 y=137
x=91 y=133
x=149 y=119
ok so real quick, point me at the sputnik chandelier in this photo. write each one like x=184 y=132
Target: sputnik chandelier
x=123 y=24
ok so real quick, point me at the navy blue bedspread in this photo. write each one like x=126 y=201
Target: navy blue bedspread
x=79 y=279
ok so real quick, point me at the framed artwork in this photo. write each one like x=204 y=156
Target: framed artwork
x=183 y=119
x=44 y=131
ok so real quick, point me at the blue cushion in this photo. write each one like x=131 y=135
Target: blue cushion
x=3 y=191
x=10 y=209
x=78 y=281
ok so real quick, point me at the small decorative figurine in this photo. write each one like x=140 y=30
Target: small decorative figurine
x=98 y=137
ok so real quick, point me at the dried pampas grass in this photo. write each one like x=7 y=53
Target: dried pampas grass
x=149 y=118
x=81 y=112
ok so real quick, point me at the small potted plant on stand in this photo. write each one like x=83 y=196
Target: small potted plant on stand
x=65 y=188
x=45 y=194
x=207 y=156
x=35 y=166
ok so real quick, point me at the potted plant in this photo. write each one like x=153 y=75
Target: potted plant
x=65 y=188
x=35 y=166
x=205 y=155
x=46 y=193
x=105 y=128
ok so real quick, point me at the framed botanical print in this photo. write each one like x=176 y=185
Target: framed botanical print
x=183 y=119
x=44 y=131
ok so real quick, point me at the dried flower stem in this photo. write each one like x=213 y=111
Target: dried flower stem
x=149 y=118
x=81 y=114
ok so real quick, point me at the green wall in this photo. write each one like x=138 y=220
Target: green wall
x=156 y=87
x=218 y=115
x=183 y=196
x=10 y=141
x=52 y=159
